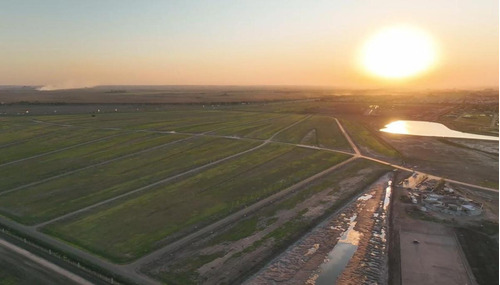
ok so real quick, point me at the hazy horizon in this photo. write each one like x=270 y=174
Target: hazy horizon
x=251 y=43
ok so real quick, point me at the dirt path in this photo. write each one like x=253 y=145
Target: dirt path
x=300 y=262
x=232 y=218
x=130 y=270
x=193 y=170
x=56 y=269
x=91 y=166
x=348 y=138
x=58 y=150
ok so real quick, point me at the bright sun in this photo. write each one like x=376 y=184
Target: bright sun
x=399 y=52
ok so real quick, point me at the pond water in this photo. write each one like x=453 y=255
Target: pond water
x=340 y=255
x=430 y=129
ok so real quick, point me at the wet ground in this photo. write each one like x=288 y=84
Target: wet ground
x=349 y=245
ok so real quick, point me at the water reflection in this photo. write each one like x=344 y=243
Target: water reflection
x=431 y=129
x=339 y=256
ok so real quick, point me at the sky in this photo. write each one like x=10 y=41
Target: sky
x=105 y=42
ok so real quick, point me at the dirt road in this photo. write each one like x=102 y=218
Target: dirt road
x=44 y=263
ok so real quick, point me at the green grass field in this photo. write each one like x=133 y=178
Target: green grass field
x=69 y=193
x=261 y=129
x=85 y=159
x=14 y=175
x=184 y=270
x=16 y=131
x=319 y=131
x=203 y=198
x=363 y=137
x=53 y=141
x=181 y=121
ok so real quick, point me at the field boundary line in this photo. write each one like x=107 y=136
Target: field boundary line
x=233 y=217
x=67 y=248
x=159 y=182
x=91 y=166
x=7 y=144
x=286 y=128
x=45 y=263
x=250 y=123
x=348 y=138
x=319 y=224
x=59 y=150
x=464 y=260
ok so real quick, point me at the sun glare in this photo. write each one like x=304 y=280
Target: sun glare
x=398 y=127
x=398 y=52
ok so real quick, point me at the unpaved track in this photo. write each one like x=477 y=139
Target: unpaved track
x=197 y=169
x=126 y=271
x=349 y=139
x=130 y=270
x=59 y=150
x=151 y=185
x=358 y=153
x=61 y=271
x=91 y=166
x=231 y=218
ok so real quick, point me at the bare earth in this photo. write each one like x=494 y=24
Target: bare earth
x=300 y=263
x=436 y=259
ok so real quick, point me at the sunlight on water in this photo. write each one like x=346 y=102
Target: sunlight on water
x=397 y=127
x=430 y=129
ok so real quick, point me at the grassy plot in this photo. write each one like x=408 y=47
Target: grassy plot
x=56 y=197
x=364 y=138
x=186 y=121
x=57 y=140
x=319 y=131
x=13 y=133
x=233 y=122
x=267 y=231
x=261 y=129
x=125 y=230
x=28 y=171
x=221 y=121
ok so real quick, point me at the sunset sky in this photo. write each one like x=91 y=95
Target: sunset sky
x=238 y=42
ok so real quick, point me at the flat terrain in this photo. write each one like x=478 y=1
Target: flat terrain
x=369 y=142
x=191 y=202
x=16 y=268
x=451 y=160
x=435 y=259
x=321 y=131
x=210 y=192
x=242 y=247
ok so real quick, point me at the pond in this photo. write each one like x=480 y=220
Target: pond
x=430 y=129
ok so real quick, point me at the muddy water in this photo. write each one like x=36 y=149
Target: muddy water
x=340 y=255
x=430 y=129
